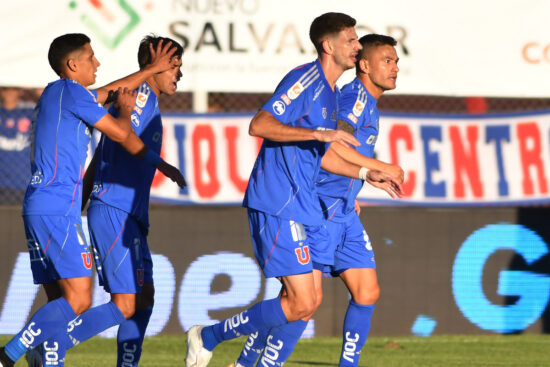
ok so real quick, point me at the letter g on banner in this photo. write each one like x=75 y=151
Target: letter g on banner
x=533 y=289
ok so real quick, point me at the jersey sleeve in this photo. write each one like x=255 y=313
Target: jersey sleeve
x=292 y=97
x=352 y=104
x=85 y=105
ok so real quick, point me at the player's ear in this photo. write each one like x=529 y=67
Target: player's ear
x=71 y=64
x=364 y=65
x=327 y=46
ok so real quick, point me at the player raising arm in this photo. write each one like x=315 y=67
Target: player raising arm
x=66 y=111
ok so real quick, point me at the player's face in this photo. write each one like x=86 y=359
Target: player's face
x=87 y=65
x=382 y=67
x=346 y=47
x=167 y=81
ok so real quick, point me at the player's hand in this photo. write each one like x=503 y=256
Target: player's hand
x=125 y=101
x=161 y=57
x=385 y=182
x=396 y=172
x=339 y=136
x=172 y=173
x=357 y=207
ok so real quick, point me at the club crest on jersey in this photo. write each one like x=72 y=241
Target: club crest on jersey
x=279 y=107
x=294 y=91
x=285 y=99
x=358 y=108
x=324 y=112
x=141 y=99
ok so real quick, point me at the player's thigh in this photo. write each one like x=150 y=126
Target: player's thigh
x=123 y=260
x=57 y=248
x=279 y=245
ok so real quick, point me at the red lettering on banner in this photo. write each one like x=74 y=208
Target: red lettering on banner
x=259 y=142
x=159 y=178
x=530 y=155
x=231 y=134
x=205 y=189
x=402 y=132
x=465 y=162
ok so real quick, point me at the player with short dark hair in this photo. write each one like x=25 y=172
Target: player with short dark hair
x=281 y=197
x=66 y=111
x=351 y=256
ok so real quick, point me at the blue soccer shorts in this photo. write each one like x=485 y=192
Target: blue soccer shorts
x=280 y=245
x=122 y=256
x=351 y=245
x=57 y=248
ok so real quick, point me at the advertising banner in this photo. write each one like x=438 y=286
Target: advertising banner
x=448 y=160
x=440 y=270
x=467 y=48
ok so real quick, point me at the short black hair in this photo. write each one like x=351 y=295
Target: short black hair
x=144 y=55
x=62 y=46
x=326 y=25
x=370 y=41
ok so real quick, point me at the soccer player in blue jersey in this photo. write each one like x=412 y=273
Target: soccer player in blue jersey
x=118 y=218
x=349 y=244
x=67 y=109
x=281 y=197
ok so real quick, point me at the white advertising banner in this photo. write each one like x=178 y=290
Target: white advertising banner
x=469 y=47
x=449 y=160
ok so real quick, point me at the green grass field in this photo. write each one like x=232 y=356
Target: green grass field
x=437 y=351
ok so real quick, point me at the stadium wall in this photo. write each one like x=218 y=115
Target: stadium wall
x=441 y=270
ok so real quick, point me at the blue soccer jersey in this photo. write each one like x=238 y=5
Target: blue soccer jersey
x=59 y=145
x=358 y=108
x=122 y=180
x=282 y=182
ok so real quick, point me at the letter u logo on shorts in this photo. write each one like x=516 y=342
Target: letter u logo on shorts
x=302 y=254
x=86 y=260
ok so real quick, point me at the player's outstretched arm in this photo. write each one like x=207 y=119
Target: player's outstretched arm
x=161 y=60
x=333 y=163
x=353 y=156
x=120 y=131
x=266 y=126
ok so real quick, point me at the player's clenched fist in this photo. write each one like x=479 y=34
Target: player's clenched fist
x=125 y=101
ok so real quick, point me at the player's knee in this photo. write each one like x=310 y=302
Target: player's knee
x=126 y=304
x=80 y=304
x=127 y=309
x=304 y=308
x=367 y=296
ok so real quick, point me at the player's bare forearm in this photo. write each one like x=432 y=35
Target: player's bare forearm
x=353 y=156
x=162 y=60
x=333 y=163
x=266 y=126
x=88 y=181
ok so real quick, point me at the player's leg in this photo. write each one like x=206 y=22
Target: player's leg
x=110 y=229
x=357 y=268
x=254 y=345
x=132 y=331
x=283 y=339
x=280 y=252
x=58 y=253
